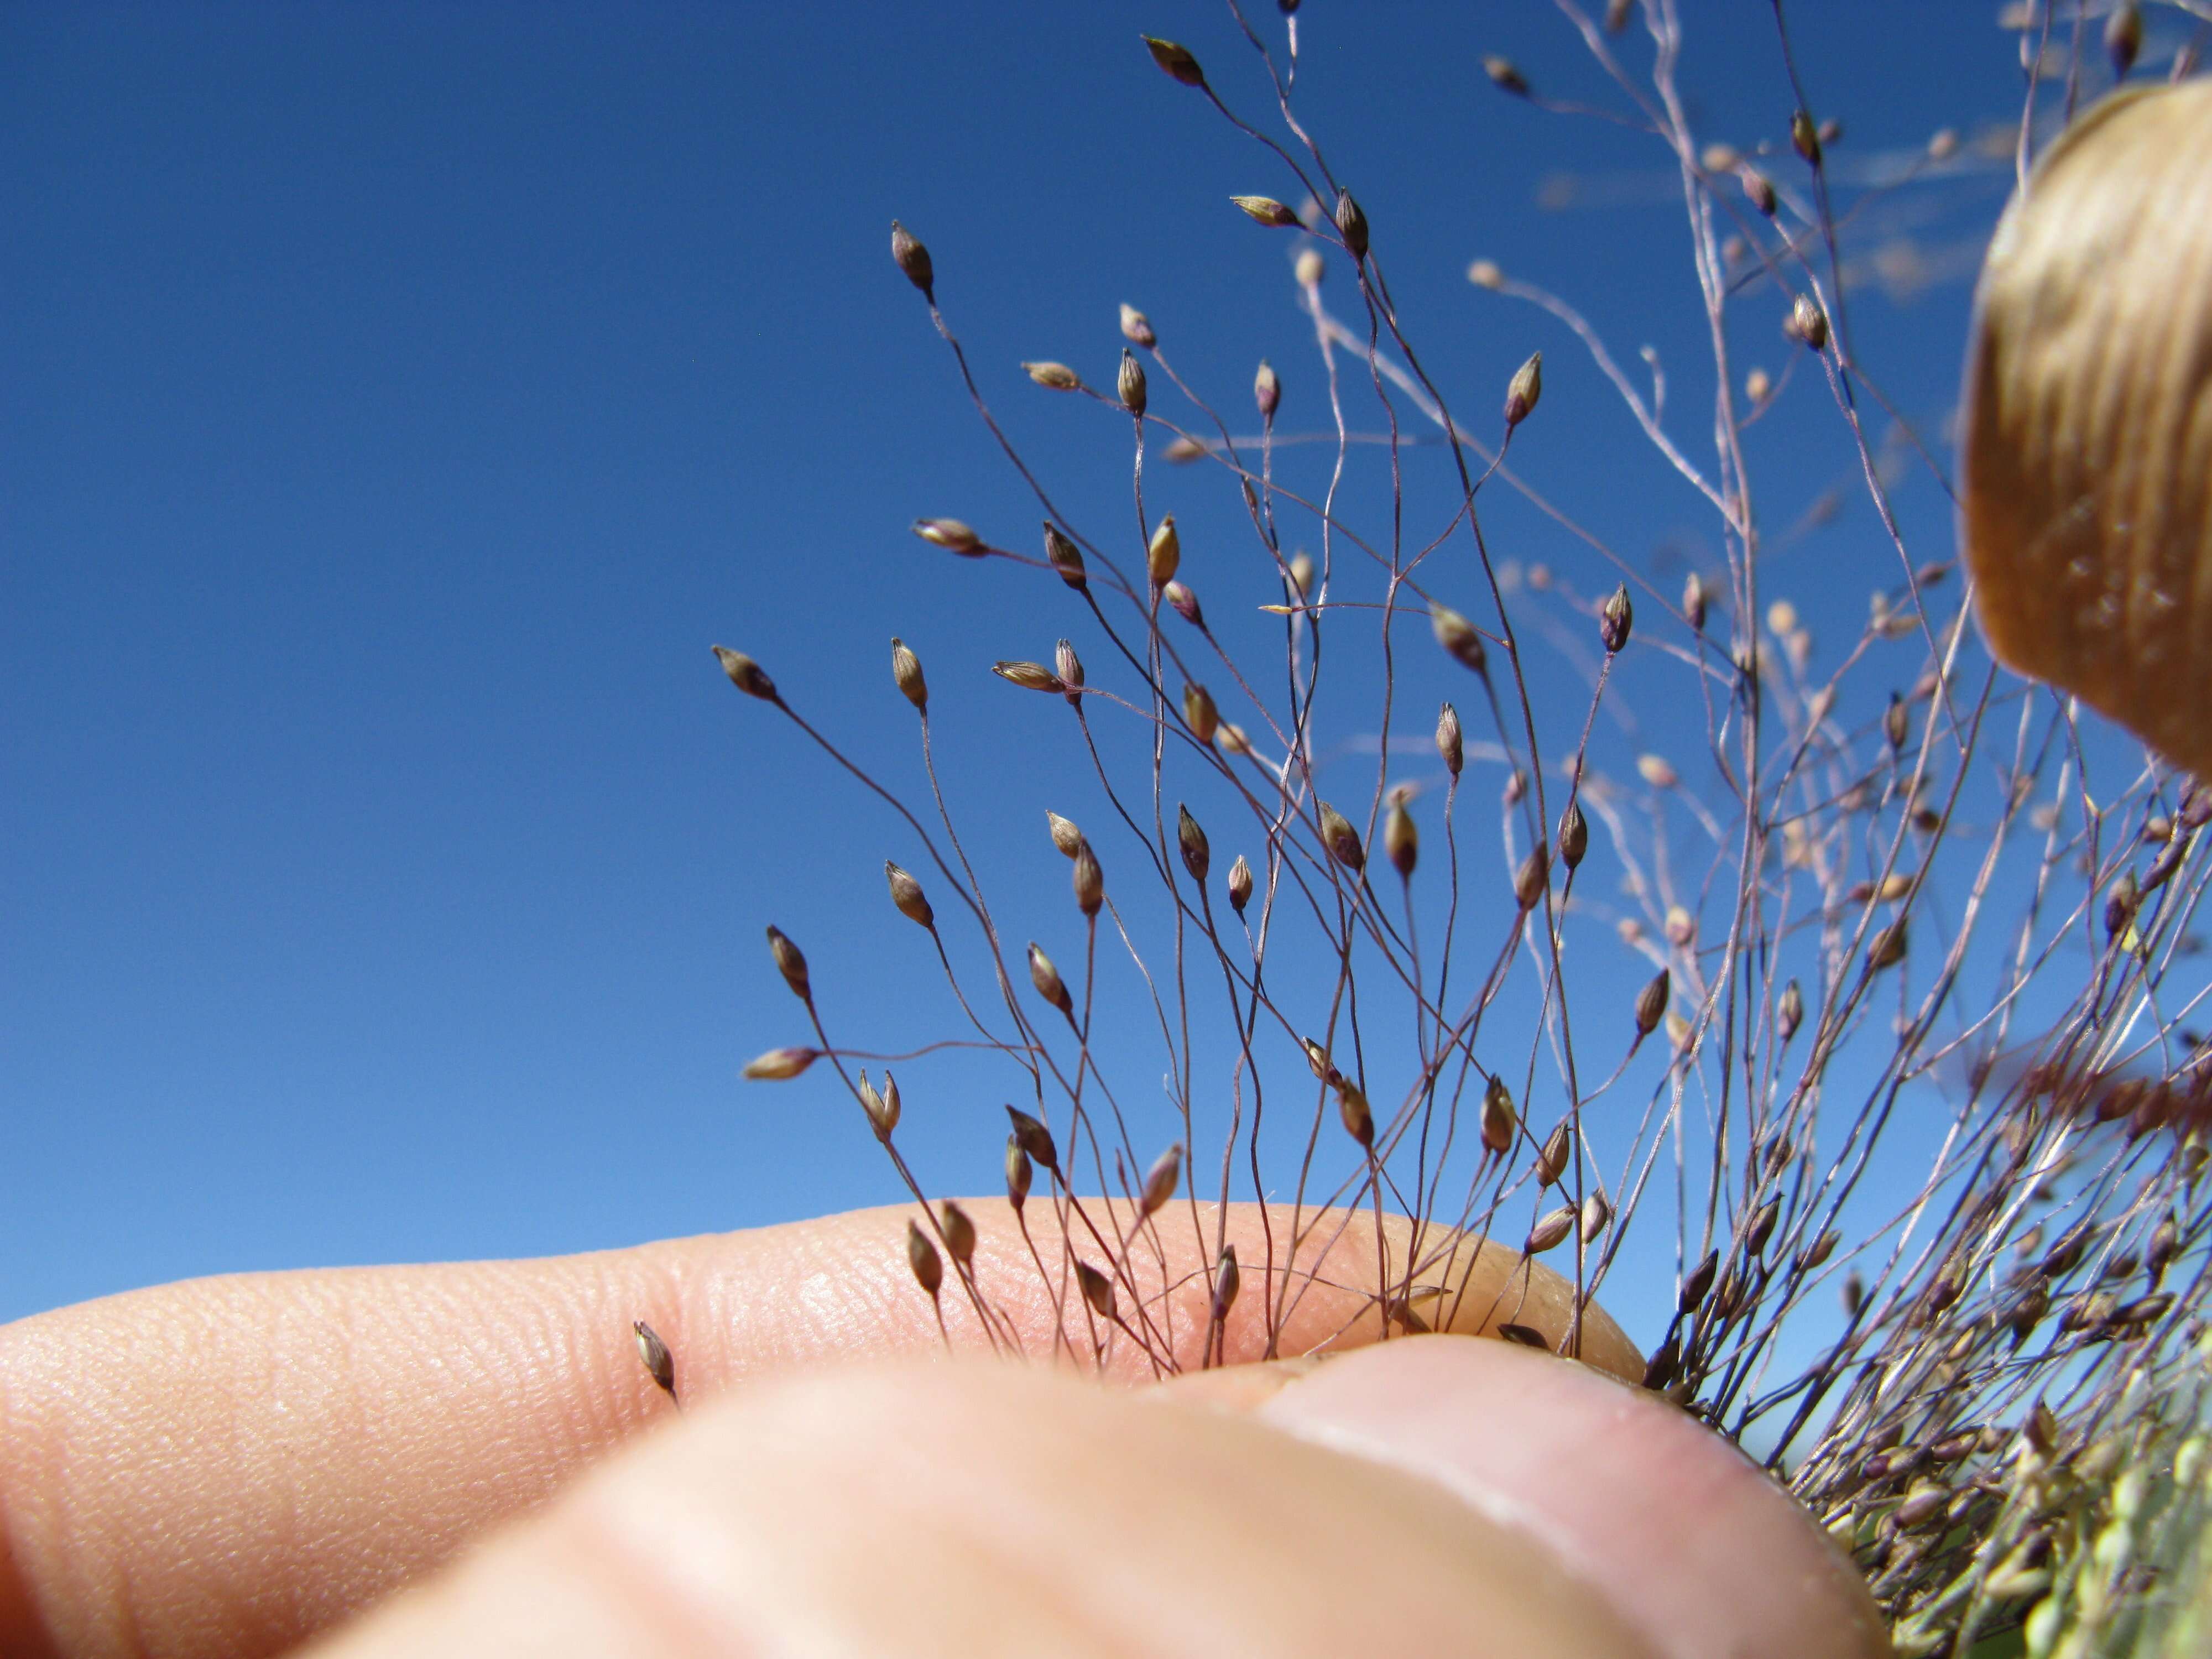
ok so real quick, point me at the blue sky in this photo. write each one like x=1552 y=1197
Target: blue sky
x=398 y=400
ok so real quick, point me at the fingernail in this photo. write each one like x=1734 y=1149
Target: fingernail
x=1241 y=1389
x=1688 y=1539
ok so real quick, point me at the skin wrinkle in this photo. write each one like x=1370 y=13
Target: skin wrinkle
x=16 y=1612
x=624 y=1575
x=214 y=1437
x=549 y=1588
x=309 y=1354
x=1019 y=1526
x=286 y=1382
x=990 y=1520
x=849 y=1297
x=300 y=1356
x=310 y=1384
x=639 y=1532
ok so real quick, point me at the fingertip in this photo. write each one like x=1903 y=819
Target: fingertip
x=1693 y=1540
x=967 y=1508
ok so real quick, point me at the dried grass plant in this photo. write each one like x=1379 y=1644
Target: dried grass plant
x=1912 y=1099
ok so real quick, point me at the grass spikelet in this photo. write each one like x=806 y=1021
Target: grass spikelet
x=652 y=1354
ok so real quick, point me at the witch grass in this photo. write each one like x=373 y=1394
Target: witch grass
x=1903 y=1080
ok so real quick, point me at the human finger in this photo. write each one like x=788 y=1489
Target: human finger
x=227 y=1466
x=969 y=1508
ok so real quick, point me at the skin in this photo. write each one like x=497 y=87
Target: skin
x=236 y=1467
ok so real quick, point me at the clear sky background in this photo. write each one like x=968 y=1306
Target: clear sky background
x=396 y=400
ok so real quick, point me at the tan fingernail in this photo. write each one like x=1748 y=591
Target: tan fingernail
x=1238 y=1387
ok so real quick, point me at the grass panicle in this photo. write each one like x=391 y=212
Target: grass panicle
x=1849 y=1046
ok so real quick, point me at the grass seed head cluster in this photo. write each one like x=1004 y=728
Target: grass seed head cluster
x=1871 y=1006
